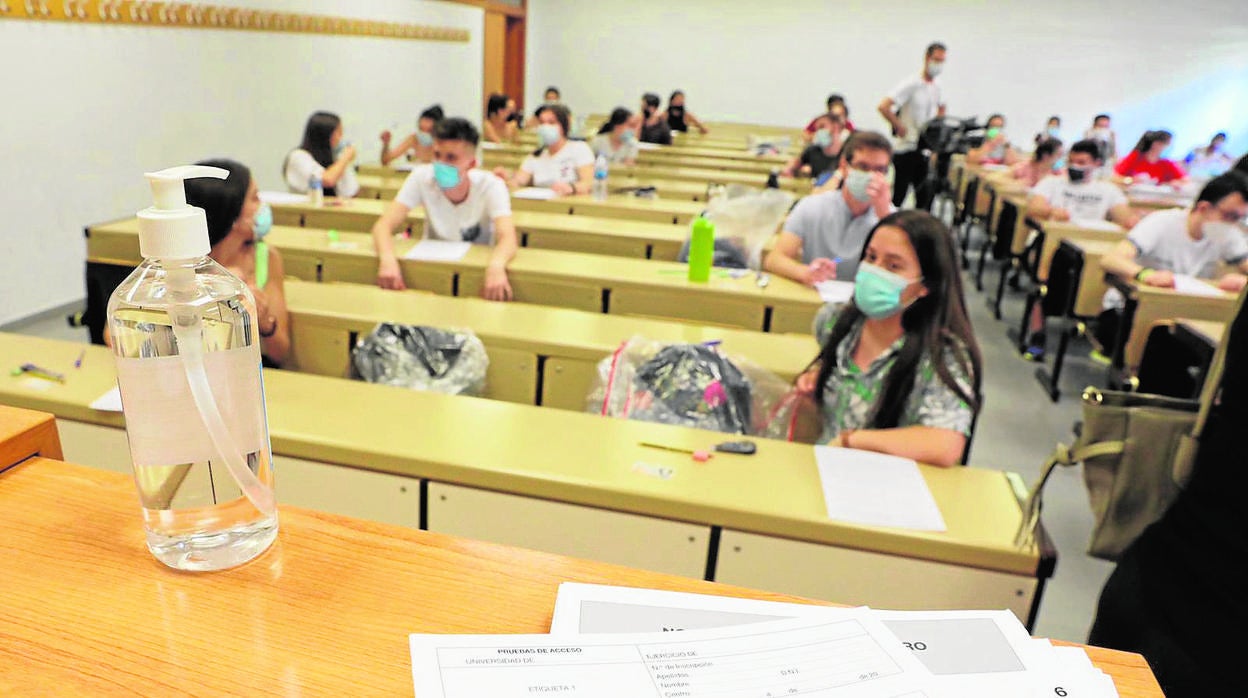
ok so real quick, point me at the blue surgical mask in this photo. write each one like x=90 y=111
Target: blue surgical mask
x=549 y=134
x=877 y=291
x=1061 y=162
x=856 y=182
x=627 y=137
x=823 y=138
x=342 y=145
x=263 y=222
x=1055 y=132
x=424 y=139
x=447 y=176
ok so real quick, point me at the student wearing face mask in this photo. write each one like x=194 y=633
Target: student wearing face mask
x=550 y=98
x=823 y=236
x=418 y=146
x=325 y=155
x=1189 y=242
x=461 y=203
x=499 y=126
x=835 y=105
x=617 y=139
x=1211 y=160
x=1074 y=195
x=678 y=118
x=907 y=109
x=1045 y=161
x=562 y=165
x=1052 y=129
x=237 y=220
x=1147 y=161
x=823 y=154
x=1103 y=134
x=654 y=128
x=900 y=371
x=996 y=148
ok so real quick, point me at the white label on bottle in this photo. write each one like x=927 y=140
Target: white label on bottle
x=162 y=423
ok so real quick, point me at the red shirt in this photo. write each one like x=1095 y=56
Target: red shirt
x=1162 y=171
x=810 y=128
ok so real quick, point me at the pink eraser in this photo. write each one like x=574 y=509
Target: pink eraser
x=701 y=456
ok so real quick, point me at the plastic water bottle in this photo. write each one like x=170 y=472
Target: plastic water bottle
x=601 y=169
x=701 y=250
x=187 y=344
x=316 y=191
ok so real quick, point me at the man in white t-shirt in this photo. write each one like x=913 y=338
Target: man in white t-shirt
x=1078 y=195
x=908 y=108
x=1187 y=242
x=460 y=202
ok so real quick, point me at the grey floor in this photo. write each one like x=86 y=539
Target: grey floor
x=1017 y=431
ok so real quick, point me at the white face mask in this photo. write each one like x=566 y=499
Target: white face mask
x=1218 y=230
x=934 y=68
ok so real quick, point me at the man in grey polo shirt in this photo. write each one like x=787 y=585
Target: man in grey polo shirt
x=824 y=234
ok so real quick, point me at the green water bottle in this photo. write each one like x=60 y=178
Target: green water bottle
x=701 y=250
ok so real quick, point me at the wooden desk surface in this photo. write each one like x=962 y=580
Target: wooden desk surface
x=568 y=457
x=387 y=187
x=542 y=330
x=326 y=611
x=348 y=259
x=1156 y=304
x=25 y=433
x=1056 y=231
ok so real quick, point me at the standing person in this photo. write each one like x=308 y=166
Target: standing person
x=908 y=108
x=417 y=146
x=678 y=118
x=900 y=371
x=822 y=238
x=617 y=139
x=1177 y=593
x=566 y=167
x=324 y=154
x=1211 y=160
x=1147 y=161
x=1103 y=133
x=461 y=203
x=499 y=126
x=654 y=128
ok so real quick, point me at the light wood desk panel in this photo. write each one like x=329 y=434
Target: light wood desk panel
x=1158 y=304
x=386 y=188
x=1056 y=231
x=119 y=623
x=569 y=343
x=27 y=434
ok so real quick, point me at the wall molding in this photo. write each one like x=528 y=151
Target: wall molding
x=182 y=15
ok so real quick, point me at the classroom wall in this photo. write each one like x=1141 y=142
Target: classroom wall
x=1183 y=66
x=89 y=109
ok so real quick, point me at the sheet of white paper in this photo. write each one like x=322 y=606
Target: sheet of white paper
x=972 y=653
x=487 y=145
x=854 y=657
x=1194 y=287
x=535 y=193
x=1097 y=224
x=274 y=198
x=873 y=489
x=438 y=251
x=406 y=166
x=648 y=146
x=835 y=291
x=108 y=402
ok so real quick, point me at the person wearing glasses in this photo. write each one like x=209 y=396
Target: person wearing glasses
x=824 y=235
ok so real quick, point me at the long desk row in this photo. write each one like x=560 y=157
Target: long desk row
x=586 y=486
x=386 y=186
x=595 y=283
x=538 y=355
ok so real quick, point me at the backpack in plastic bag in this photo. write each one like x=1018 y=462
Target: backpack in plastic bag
x=422 y=358
x=745 y=219
x=692 y=385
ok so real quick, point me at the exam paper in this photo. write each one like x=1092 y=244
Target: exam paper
x=1096 y=224
x=968 y=653
x=835 y=291
x=282 y=197
x=873 y=489
x=1193 y=286
x=850 y=657
x=108 y=402
x=535 y=193
x=438 y=250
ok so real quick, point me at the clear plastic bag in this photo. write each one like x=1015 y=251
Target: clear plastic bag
x=422 y=358
x=745 y=219
x=693 y=385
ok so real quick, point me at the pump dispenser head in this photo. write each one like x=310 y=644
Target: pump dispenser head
x=171 y=228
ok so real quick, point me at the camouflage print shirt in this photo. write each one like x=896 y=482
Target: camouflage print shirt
x=851 y=393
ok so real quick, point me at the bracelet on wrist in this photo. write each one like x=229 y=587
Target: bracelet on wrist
x=845 y=434
x=1143 y=274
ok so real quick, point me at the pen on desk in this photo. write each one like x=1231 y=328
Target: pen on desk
x=699 y=456
x=37 y=372
x=78 y=361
